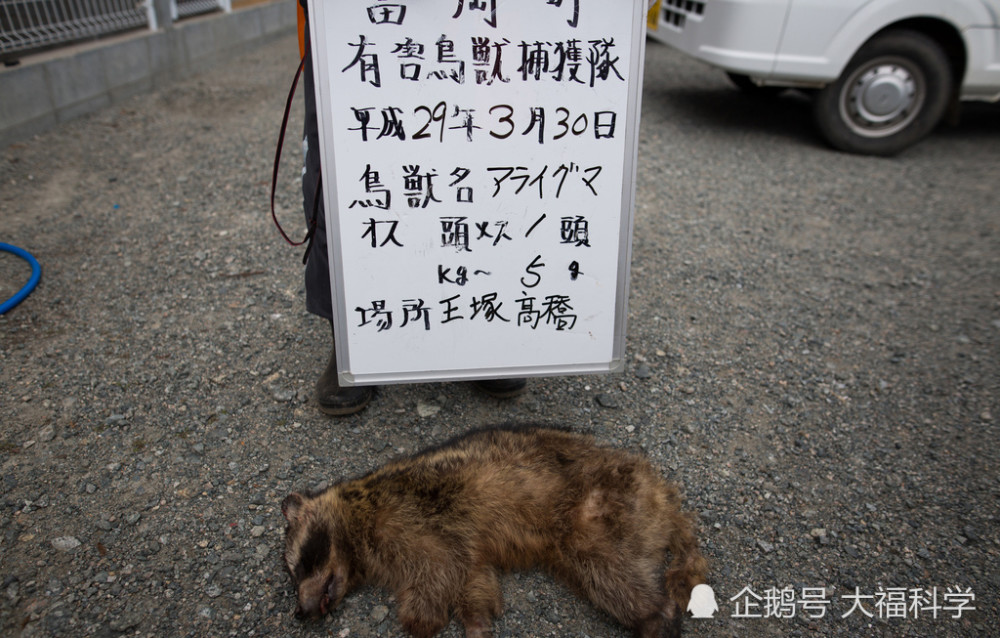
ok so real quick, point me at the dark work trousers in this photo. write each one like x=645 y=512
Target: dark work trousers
x=318 y=297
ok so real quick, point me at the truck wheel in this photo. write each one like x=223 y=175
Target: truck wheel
x=893 y=92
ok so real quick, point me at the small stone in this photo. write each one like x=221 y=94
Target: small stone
x=65 y=543
x=257 y=531
x=606 y=400
x=47 y=433
x=765 y=547
x=282 y=394
x=643 y=371
x=213 y=591
x=427 y=408
x=379 y=613
x=124 y=622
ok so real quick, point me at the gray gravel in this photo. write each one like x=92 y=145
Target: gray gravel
x=812 y=352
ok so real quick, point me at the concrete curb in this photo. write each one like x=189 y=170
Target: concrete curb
x=53 y=88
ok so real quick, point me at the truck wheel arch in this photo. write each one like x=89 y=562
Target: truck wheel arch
x=925 y=16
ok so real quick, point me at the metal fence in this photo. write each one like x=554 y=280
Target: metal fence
x=28 y=25
x=185 y=8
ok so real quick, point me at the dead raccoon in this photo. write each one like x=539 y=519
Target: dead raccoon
x=437 y=528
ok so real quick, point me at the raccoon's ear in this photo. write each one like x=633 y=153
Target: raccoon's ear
x=291 y=507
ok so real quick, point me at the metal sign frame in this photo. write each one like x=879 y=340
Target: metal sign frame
x=393 y=79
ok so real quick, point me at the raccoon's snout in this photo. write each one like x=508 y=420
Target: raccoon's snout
x=318 y=604
x=313 y=609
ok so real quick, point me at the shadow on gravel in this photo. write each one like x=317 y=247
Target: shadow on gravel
x=978 y=121
x=783 y=116
x=788 y=115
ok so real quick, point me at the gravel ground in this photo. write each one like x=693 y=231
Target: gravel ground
x=812 y=353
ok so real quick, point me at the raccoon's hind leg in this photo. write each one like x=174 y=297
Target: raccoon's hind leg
x=422 y=615
x=628 y=589
x=480 y=603
x=660 y=625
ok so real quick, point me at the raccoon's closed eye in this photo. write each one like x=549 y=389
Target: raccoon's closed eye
x=315 y=553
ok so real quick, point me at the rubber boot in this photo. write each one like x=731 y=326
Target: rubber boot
x=335 y=400
x=502 y=388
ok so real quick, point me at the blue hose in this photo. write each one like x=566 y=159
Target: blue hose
x=36 y=274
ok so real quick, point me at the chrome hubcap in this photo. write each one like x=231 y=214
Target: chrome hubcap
x=881 y=98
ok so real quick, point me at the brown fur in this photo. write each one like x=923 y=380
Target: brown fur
x=437 y=529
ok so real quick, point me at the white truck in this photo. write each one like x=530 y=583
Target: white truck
x=884 y=72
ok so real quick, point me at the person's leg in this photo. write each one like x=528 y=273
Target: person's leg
x=331 y=398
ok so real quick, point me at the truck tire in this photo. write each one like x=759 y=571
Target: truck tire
x=893 y=92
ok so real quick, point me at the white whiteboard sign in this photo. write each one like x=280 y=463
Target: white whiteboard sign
x=479 y=177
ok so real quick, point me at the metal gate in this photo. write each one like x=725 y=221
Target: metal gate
x=27 y=25
x=185 y=8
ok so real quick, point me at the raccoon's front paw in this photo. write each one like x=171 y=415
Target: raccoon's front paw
x=477 y=627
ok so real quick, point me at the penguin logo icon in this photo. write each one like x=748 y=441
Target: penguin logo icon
x=702 y=603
